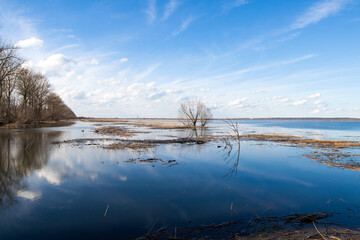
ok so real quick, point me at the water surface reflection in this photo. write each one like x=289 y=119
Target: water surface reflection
x=21 y=153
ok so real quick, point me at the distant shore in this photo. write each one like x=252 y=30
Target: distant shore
x=223 y=119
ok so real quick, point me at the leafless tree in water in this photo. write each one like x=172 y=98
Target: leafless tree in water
x=191 y=111
x=235 y=134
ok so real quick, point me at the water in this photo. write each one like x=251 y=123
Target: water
x=57 y=191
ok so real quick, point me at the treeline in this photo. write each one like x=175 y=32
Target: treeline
x=26 y=96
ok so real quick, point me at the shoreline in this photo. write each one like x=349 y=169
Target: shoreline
x=223 y=119
x=41 y=124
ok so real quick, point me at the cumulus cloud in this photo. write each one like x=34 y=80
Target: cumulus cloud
x=300 y=102
x=316 y=95
x=317 y=12
x=56 y=65
x=240 y=103
x=30 y=42
x=138 y=89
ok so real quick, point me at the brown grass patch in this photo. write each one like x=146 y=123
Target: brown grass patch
x=138 y=146
x=346 y=161
x=302 y=142
x=163 y=125
x=117 y=131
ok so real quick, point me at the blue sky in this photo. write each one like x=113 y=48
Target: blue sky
x=243 y=58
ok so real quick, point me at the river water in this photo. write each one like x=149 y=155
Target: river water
x=56 y=191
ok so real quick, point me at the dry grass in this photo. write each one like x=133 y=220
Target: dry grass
x=149 y=123
x=128 y=120
x=117 y=131
x=302 y=142
x=138 y=146
x=346 y=161
x=294 y=226
x=162 y=125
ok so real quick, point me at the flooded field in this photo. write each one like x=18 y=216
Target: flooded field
x=136 y=179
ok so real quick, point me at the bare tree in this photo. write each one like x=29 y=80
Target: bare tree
x=56 y=109
x=26 y=88
x=9 y=63
x=205 y=114
x=191 y=111
x=26 y=96
x=235 y=130
x=9 y=101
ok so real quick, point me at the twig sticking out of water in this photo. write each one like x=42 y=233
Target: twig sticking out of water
x=319 y=231
x=235 y=129
x=107 y=208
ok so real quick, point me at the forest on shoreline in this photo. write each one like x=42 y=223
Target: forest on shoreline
x=26 y=96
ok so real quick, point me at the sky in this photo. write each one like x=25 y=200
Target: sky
x=242 y=58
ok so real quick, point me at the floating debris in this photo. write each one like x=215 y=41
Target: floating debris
x=168 y=163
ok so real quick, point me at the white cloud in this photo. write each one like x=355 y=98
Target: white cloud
x=315 y=111
x=27 y=65
x=138 y=89
x=264 y=67
x=56 y=64
x=185 y=24
x=170 y=8
x=259 y=92
x=94 y=61
x=174 y=91
x=300 y=102
x=233 y=4
x=283 y=100
x=317 y=12
x=121 y=60
x=151 y=11
x=146 y=73
x=239 y=103
x=316 y=95
x=335 y=110
x=320 y=103
x=204 y=89
x=30 y=42
x=156 y=95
